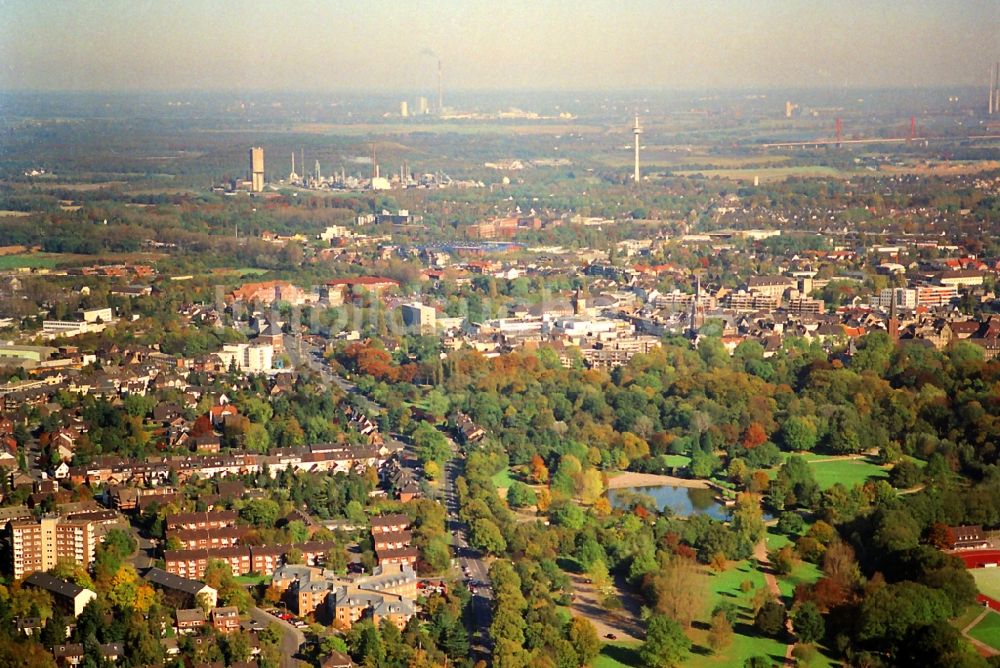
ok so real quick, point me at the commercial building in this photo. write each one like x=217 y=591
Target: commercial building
x=936 y=295
x=419 y=318
x=36 y=545
x=98 y=315
x=905 y=298
x=247 y=357
x=268 y=292
x=26 y=356
x=256 y=169
x=772 y=286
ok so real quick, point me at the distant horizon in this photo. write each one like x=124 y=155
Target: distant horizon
x=480 y=91
x=566 y=45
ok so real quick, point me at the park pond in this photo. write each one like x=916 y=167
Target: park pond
x=682 y=501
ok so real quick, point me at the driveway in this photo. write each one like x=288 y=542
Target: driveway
x=291 y=637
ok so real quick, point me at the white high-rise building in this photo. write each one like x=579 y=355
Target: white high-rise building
x=420 y=318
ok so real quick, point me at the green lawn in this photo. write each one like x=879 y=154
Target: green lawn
x=28 y=260
x=746 y=643
x=764 y=173
x=988 y=630
x=252 y=579
x=848 y=472
x=804 y=571
x=677 y=461
x=503 y=478
x=618 y=655
x=722 y=586
x=776 y=540
x=987 y=581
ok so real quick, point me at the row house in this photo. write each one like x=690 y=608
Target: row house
x=156 y=471
x=192 y=563
x=389 y=524
x=191 y=539
x=226 y=620
x=242 y=559
x=202 y=520
x=392 y=540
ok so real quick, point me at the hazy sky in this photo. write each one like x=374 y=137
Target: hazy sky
x=484 y=44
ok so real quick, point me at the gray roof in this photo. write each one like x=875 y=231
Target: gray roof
x=54 y=585
x=160 y=577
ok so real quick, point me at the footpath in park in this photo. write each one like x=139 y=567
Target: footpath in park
x=760 y=553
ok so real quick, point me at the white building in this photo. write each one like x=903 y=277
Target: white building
x=98 y=315
x=248 y=357
x=905 y=298
x=419 y=317
x=54 y=328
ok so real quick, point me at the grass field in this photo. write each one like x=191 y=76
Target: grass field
x=456 y=126
x=746 y=643
x=987 y=581
x=503 y=479
x=29 y=260
x=240 y=271
x=988 y=630
x=726 y=586
x=764 y=173
x=617 y=655
x=678 y=461
x=804 y=571
x=848 y=472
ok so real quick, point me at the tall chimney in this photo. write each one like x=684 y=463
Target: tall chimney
x=990 y=107
x=995 y=88
x=440 y=94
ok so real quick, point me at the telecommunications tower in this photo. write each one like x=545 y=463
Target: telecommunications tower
x=636 y=131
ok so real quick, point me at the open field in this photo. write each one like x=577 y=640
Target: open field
x=765 y=174
x=87 y=187
x=746 y=643
x=848 y=472
x=665 y=158
x=677 y=461
x=458 y=126
x=803 y=572
x=988 y=630
x=949 y=168
x=6 y=213
x=623 y=623
x=502 y=479
x=987 y=581
x=240 y=271
x=30 y=261
x=632 y=479
x=618 y=654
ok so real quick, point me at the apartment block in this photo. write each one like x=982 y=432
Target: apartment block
x=38 y=545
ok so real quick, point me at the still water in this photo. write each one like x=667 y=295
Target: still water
x=682 y=501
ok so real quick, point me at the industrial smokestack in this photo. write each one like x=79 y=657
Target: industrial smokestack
x=440 y=94
x=990 y=107
x=995 y=90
